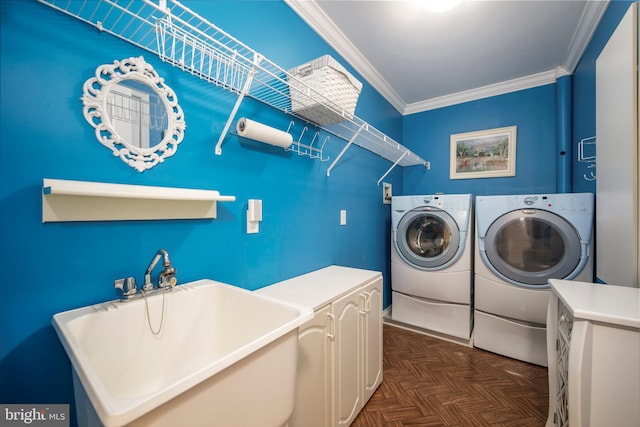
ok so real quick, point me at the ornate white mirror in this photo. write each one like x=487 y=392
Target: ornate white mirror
x=133 y=112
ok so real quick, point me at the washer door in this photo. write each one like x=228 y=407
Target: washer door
x=427 y=238
x=530 y=246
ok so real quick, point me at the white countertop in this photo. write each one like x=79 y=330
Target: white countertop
x=319 y=287
x=618 y=305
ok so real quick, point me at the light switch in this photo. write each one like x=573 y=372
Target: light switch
x=254 y=216
x=255 y=210
x=343 y=217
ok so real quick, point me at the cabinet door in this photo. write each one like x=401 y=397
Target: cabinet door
x=313 y=391
x=617 y=155
x=372 y=338
x=347 y=356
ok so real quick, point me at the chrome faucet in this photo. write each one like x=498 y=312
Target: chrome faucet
x=166 y=280
x=128 y=287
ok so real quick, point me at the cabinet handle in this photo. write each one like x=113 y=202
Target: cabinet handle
x=332 y=326
x=364 y=303
x=366 y=296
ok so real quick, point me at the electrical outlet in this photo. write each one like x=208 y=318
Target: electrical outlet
x=386 y=193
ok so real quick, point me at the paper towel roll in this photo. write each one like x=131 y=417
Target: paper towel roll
x=263 y=133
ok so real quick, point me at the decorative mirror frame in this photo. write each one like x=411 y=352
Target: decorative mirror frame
x=95 y=111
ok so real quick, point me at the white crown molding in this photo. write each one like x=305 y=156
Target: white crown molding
x=589 y=21
x=501 y=88
x=315 y=17
x=561 y=71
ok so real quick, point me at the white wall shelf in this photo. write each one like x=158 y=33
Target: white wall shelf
x=68 y=200
x=181 y=37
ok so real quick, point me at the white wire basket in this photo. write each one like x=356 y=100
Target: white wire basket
x=338 y=90
x=209 y=61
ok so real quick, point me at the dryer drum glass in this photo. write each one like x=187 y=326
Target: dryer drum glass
x=531 y=245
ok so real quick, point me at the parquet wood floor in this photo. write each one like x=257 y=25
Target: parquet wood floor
x=431 y=382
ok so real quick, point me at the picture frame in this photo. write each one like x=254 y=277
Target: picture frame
x=487 y=153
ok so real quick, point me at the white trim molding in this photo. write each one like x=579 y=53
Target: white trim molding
x=527 y=82
x=589 y=21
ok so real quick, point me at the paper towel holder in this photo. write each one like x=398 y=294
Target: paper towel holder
x=314 y=152
x=263 y=133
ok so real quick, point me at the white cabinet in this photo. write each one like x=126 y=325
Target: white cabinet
x=340 y=349
x=617 y=200
x=593 y=342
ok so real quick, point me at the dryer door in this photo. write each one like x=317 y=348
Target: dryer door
x=427 y=238
x=530 y=246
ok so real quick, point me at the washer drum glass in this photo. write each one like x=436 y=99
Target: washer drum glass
x=427 y=238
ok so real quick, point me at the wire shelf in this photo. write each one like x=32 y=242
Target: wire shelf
x=184 y=39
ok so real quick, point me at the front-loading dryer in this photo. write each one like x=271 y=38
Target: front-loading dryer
x=522 y=241
x=431 y=256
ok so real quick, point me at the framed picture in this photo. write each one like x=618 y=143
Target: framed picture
x=483 y=154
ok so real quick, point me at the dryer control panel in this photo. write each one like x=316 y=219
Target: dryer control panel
x=564 y=203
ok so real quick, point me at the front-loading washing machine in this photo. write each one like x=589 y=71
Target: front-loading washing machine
x=522 y=241
x=431 y=256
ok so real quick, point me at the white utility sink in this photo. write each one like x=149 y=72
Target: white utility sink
x=224 y=356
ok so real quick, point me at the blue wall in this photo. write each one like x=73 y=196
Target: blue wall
x=52 y=267
x=48 y=268
x=533 y=111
